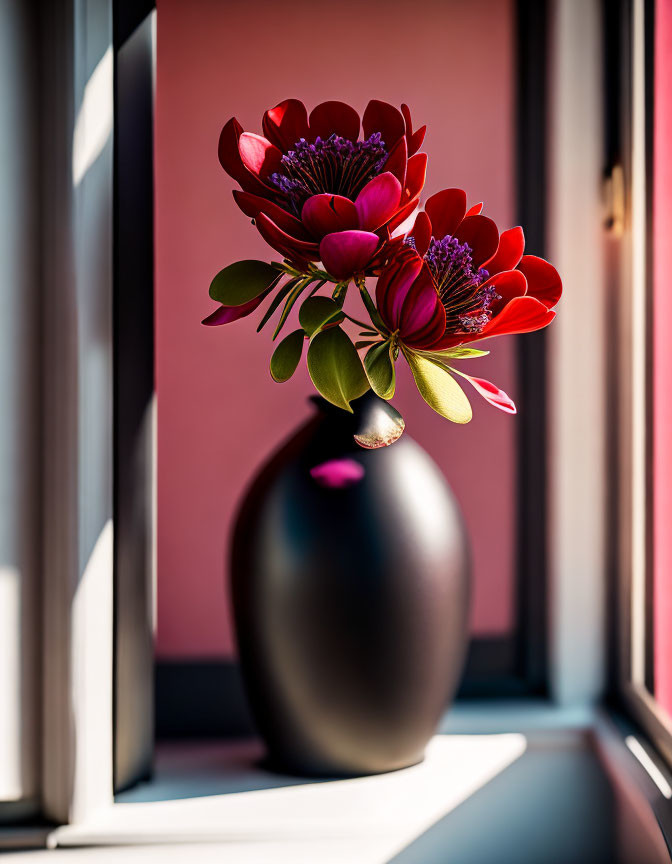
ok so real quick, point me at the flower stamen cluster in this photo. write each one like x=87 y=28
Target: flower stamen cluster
x=335 y=165
x=458 y=284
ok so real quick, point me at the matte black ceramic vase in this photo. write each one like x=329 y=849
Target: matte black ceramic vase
x=350 y=576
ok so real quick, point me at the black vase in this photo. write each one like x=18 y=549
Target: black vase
x=350 y=598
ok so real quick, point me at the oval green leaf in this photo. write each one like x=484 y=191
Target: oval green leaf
x=439 y=389
x=458 y=353
x=317 y=312
x=286 y=357
x=335 y=368
x=380 y=370
x=242 y=281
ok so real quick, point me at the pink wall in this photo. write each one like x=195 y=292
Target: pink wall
x=219 y=411
x=662 y=356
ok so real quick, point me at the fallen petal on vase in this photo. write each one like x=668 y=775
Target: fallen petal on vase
x=337 y=473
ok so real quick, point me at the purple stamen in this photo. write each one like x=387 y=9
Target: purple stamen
x=335 y=165
x=458 y=284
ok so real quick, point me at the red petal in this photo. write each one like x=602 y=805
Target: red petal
x=491 y=393
x=422 y=232
x=283 y=242
x=475 y=210
x=446 y=209
x=402 y=215
x=543 y=280
x=347 y=252
x=253 y=205
x=386 y=119
x=231 y=162
x=406 y=111
x=481 y=234
x=378 y=201
x=227 y=314
x=416 y=141
x=397 y=160
x=416 y=171
x=520 y=315
x=509 y=284
x=509 y=252
x=286 y=123
x=423 y=318
x=258 y=154
x=393 y=287
x=329 y=117
x=324 y=214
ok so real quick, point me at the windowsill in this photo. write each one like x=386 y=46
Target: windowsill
x=503 y=781
x=519 y=769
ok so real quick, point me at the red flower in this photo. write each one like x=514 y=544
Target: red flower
x=315 y=191
x=457 y=280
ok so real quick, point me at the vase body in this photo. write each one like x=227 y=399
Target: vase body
x=350 y=602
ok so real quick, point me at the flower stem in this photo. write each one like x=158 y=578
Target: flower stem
x=370 y=305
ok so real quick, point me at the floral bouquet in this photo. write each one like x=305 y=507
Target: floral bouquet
x=334 y=205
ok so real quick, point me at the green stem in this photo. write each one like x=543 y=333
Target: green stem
x=370 y=305
x=357 y=321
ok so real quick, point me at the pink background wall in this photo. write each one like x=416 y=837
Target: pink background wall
x=662 y=357
x=219 y=412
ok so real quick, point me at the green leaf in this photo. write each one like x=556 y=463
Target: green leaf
x=242 y=281
x=335 y=368
x=277 y=300
x=286 y=356
x=317 y=312
x=439 y=389
x=292 y=297
x=458 y=353
x=380 y=370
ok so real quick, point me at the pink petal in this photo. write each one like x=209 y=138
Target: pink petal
x=229 y=158
x=378 y=201
x=227 y=314
x=348 y=252
x=446 y=209
x=286 y=123
x=386 y=119
x=330 y=117
x=253 y=205
x=324 y=214
x=338 y=473
x=491 y=393
x=258 y=154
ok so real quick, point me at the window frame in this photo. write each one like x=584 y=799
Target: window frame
x=630 y=23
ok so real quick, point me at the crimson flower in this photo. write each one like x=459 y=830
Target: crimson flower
x=456 y=280
x=317 y=192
